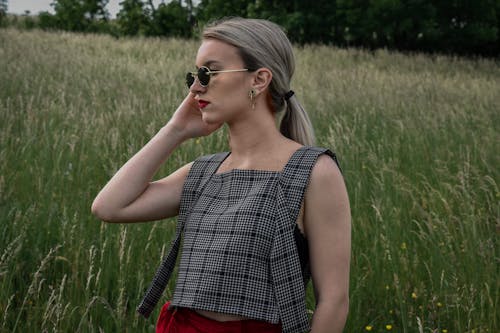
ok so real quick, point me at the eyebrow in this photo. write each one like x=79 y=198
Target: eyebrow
x=210 y=62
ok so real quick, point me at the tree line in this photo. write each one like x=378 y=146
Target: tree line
x=466 y=27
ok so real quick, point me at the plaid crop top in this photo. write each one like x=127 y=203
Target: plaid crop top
x=240 y=242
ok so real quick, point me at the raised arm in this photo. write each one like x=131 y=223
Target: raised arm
x=130 y=196
x=327 y=221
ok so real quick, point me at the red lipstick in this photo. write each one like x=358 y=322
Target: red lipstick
x=202 y=103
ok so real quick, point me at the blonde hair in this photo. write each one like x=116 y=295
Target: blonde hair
x=262 y=43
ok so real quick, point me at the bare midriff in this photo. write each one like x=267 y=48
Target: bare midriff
x=218 y=316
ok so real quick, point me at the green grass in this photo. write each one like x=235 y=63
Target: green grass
x=417 y=137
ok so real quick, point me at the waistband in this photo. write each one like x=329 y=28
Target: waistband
x=204 y=324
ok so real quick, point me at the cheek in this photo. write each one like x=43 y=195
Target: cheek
x=235 y=84
x=233 y=95
x=240 y=100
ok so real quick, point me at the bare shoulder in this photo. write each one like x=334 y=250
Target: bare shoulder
x=326 y=196
x=326 y=173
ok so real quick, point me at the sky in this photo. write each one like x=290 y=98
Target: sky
x=35 y=6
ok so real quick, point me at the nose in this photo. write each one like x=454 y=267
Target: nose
x=196 y=87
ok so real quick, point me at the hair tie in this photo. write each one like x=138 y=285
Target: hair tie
x=288 y=95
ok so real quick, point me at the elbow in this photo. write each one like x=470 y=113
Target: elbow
x=343 y=304
x=344 y=308
x=102 y=212
x=98 y=210
x=338 y=306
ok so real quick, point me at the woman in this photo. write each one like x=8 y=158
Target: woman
x=257 y=221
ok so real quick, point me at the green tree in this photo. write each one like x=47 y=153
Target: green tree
x=133 y=18
x=468 y=26
x=96 y=9
x=458 y=26
x=398 y=24
x=305 y=22
x=3 y=12
x=28 y=21
x=354 y=27
x=172 y=19
x=209 y=10
x=81 y=15
x=47 y=20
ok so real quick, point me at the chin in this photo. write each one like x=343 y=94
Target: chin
x=211 y=118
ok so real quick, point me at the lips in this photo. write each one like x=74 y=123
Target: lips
x=202 y=103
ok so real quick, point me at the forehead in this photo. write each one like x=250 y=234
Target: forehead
x=213 y=50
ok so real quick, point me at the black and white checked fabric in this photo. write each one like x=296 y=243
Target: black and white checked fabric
x=239 y=254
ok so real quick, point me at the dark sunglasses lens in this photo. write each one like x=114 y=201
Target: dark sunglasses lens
x=203 y=76
x=189 y=79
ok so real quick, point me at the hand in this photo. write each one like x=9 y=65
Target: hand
x=187 y=119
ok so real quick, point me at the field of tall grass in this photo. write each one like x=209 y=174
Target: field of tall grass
x=418 y=138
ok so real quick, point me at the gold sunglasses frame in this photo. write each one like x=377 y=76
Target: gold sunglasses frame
x=209 y=73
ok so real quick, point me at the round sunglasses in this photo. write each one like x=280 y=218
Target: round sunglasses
x=204 y=74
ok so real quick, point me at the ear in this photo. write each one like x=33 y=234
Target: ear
x=261 y=80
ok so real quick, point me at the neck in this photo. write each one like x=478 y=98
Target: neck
x=255 y=135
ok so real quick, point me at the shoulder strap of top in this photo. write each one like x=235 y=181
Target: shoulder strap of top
x=201 y=170
x=296 y=175
x=285 y=263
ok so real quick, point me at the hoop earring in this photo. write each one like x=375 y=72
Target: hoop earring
x=251 y=94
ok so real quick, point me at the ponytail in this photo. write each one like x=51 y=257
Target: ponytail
x=296 y=124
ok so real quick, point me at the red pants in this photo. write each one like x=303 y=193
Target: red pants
x=182 y=320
